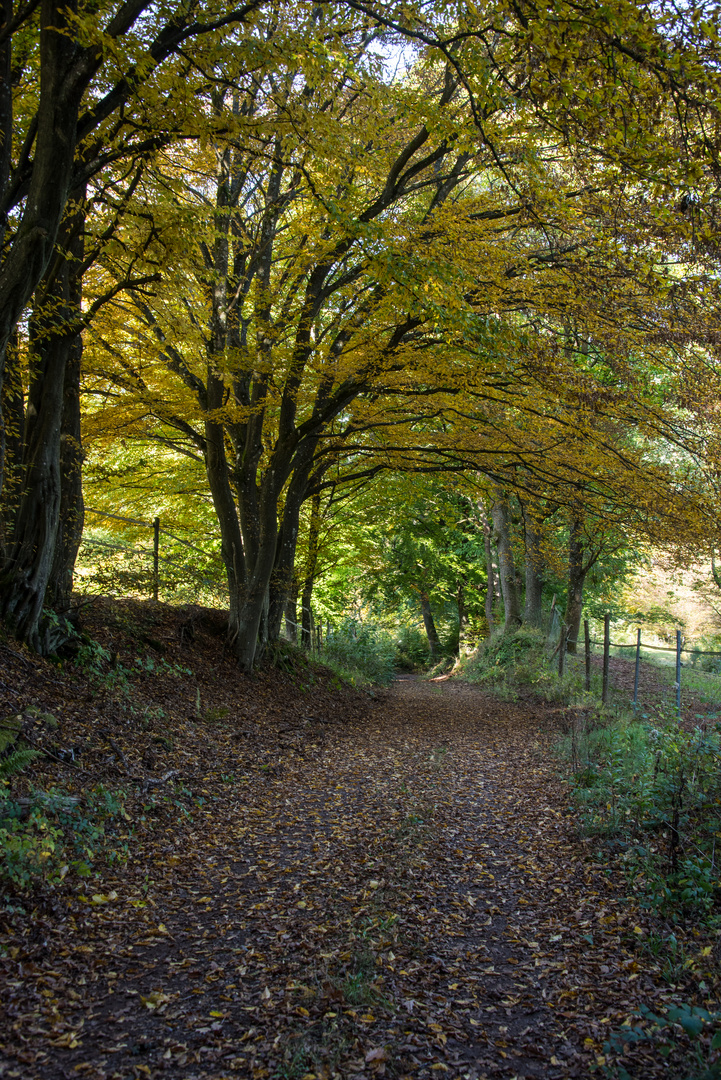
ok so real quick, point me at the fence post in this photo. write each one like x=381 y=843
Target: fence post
x=562 y=650
x=638 y=664
x=587 y=636
x=678 y=672
x=156 y=559
x=606 y=655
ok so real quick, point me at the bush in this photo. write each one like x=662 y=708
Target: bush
x=709 y=664
x=40 y=843
x=654 y=791
x=685 y=1035
x=509 y=662
x=411 y=649
x=362 y=653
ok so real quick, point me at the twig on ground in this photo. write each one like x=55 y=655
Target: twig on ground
x=150 y=782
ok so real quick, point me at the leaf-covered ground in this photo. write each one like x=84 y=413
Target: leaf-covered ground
x=328 y=884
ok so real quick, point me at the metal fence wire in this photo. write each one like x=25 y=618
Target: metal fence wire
x=150 y=577
x=691 y=677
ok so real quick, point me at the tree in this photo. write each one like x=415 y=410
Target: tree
x=88 y=116
x=365 y=259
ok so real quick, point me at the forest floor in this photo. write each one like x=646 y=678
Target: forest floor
x=315 y=882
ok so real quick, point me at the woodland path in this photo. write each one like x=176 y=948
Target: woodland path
x=404 y=895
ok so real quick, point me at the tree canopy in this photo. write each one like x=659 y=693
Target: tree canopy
x=302 y=248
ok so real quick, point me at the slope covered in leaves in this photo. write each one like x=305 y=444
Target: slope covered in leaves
x=328 y=884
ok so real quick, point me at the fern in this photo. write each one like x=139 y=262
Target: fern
x=16 y=762
x=9 y=731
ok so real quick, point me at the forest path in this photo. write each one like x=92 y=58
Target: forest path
x=395 y=895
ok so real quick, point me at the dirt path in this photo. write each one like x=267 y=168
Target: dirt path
x=398 y=895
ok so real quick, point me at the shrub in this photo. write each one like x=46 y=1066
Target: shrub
x=509 y=662
x=411 y=649
x=654 y=790
x=39 y=843
x=358 y=649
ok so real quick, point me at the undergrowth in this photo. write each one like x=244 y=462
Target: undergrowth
x=522 y=662
x=652 y=791
x=361 y=654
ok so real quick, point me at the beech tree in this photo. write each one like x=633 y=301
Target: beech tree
x=364 y=253
x=91 y=64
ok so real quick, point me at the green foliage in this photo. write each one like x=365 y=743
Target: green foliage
x=521 y=661
x=41 y=846
x=29 y=851
x=16 y=762
x=361 y=653
x=663 y=1031
x=710 y=643
x=653 y=790
x=9 y=731
x=411 y=649
x=13 y=758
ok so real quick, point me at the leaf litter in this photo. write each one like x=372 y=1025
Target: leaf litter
x=328 y=885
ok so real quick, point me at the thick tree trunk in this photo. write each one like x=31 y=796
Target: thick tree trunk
x=40 y=550
x=71 y=517
x=253 y=607
x=54 y=150
x=576 y=579
x=27 y=570
x=501 y=516
x=434 y=644
x=533 y=610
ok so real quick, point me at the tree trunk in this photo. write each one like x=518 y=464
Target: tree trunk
x=283 y=570
x=291 y=613
x=434 y=644
x=52 y=409
x=27 y=571
x=576 y=579
x=309 y=579
x=61 y=90
x=462 y=618
x=533 y=610
x=501 y=516
x=71 y=516
x=491 y=584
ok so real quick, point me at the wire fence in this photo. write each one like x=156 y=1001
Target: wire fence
x=114 y=566
x=683 y=677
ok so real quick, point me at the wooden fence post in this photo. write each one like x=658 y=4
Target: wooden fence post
x=638 y=664
x=587 y=636
x=678 y=672
x=156 y=557
x=562 y=650
x=606 y=655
